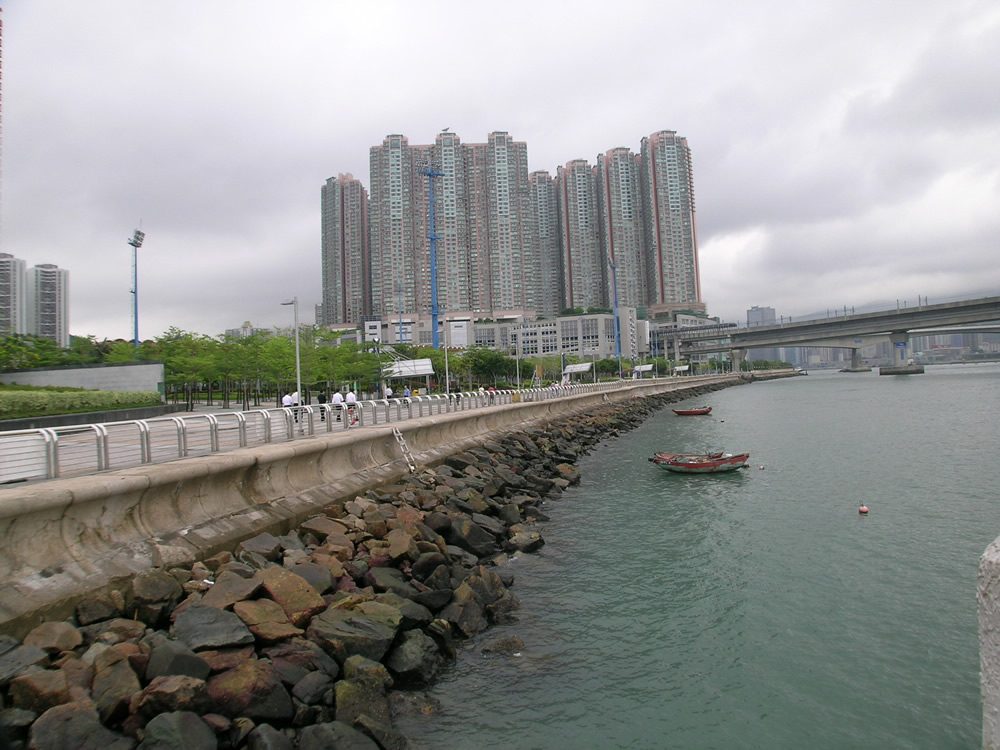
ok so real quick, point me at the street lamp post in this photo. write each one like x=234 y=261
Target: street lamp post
x=136 y=242
x=618 y=325
x=447 y=372
x=517 y=356
x=294 y=302
x=379 y=388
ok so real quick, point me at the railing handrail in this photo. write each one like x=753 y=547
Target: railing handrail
x=53 y=452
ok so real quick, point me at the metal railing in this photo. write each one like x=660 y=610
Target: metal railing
x=54 y=452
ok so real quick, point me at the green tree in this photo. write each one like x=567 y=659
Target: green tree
x=83 y=350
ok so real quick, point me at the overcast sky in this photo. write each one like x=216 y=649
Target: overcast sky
x=846 y=152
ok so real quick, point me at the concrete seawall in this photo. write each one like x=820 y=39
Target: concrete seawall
x=988 y=596
x=70 y=537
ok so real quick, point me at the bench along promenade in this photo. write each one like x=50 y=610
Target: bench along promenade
x=68 y=537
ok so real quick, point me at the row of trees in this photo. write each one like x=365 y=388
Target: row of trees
x=261 y=367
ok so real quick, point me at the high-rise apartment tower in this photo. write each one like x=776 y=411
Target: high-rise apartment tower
x=671 y=238
x=13 y=295
x=346 y=261
x=47 y=291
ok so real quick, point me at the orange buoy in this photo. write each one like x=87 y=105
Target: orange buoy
x=863 y=510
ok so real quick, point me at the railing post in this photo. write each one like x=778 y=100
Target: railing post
x=182 y=450
x=51 y=452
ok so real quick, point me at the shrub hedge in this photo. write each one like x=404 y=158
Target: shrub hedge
x=21 y=403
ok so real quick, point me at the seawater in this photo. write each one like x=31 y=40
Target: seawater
x=756 y=609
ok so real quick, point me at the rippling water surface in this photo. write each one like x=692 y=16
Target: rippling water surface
x=756 y=609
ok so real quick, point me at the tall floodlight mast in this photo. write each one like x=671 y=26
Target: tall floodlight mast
x=431 y=173
x=136 y=242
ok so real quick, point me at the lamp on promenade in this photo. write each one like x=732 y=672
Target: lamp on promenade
x=379 y=389
x=136 y=242
x=294 y=302
x=517 y=353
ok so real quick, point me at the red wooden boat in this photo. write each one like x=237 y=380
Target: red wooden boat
x=693 y=412
x=700 y=463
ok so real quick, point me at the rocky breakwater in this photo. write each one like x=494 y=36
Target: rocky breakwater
x=297 y=641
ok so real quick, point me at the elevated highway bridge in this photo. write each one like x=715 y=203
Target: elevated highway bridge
x=844 y=331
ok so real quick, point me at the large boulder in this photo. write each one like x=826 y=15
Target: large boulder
x=416 y=659
x=170 y=657
x=297 y=658
x=20 y=658
x=75 y=725
x=54 y=637
x=170 y=693
x=390 y=579
x=297 y=598
x=39 y=691
x=343 y=633
x=230 y=587
x=153 y=595
x=335 y=734
x=207 y=627
x=114 y=684
x=470 y=536
x=355 y=697
x=266 y=620
x=253 y=690
x=178 y=730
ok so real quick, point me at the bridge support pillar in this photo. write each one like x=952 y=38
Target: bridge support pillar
x=738 y=357
x=900 y=341
x=900 y=358
x=856 y=364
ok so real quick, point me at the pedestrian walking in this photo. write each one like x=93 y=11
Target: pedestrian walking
x=350 y=401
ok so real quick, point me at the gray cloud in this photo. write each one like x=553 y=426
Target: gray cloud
x=844 y=152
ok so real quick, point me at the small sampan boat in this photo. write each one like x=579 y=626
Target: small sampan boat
x=700 y=463
x=693 y=412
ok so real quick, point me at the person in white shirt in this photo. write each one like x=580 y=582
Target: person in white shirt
x=337 y=399
x=349 y=401
x=388 y=392
x=286 y=400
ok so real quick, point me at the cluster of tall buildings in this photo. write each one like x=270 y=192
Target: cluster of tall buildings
x=34 y=300
x=509 y=242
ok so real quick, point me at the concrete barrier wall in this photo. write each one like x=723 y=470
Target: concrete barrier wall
x=121 y=376
x=988 y=597
x=64 y=538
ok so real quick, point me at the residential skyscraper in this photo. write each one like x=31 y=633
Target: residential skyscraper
x=483 y=223
x=509 y=243
x=585 y=280
x=13 y=295
x=392 y=215
x=346 y=276
x=48 y=302
x=546 y=289
x=451 y=222
x=671 y=239
x=620 y=221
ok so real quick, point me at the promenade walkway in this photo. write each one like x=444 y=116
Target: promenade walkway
x=59 y=452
